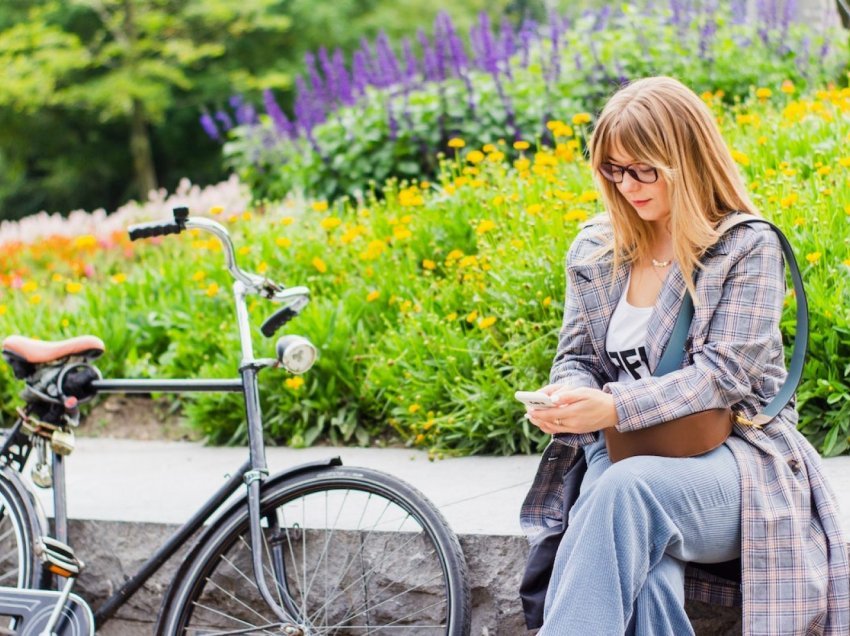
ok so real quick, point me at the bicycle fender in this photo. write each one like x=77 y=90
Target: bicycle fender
x=33 y=608
x=28 y=497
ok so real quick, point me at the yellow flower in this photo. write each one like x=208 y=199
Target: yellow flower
x=534 y=209
x=522 y=164
x=330 y=222
x=454 y=255
x=429 y=264
x=824 y=170
x=282 y=241
x=199 y=276
x=468 y=261
x=294 y=383
x=244 y=250
x=581 y=118
x=791 y=199
x=35 y=299
x=212 y=289
x=3 y=310
x=414 y=408
x=813 y=257
x=489 y=321
x=118 y=278
x=456 y=142
x=787 y=87
x=373 y=295
x=287 y=220
x=488 y=148
x=65 y=322
x=262 y=268
x=452 y=316
x=846 y=262
x=763 y=93
x=85 y=241
x=547 y=301
x=319 y=264
x=762 y=140
x=740 y=157
x=496 y=156
x=401 y=233
x=472 y=316
x=29 y=286
x=588 y=196
x=247 y=216
x=57 y=278
x=498 y=200
x=576 y=214
x=799 y=221
x=319 y=206
x=521 y=145
x=410 y=197
x=73 y=287
x=373 y=250
x=517 y=244
x=485 y=226
x=475 y=156
x=423 y=185
x=216 y=210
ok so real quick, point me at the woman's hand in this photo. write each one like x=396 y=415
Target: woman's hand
x=581 y=410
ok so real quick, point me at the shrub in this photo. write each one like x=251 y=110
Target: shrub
x=355 y=126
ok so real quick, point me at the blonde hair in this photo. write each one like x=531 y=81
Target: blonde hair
x=661 y=122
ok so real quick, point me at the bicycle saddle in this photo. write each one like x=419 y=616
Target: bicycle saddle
x=41 y=351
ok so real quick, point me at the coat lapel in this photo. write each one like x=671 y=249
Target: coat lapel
x=598 y=298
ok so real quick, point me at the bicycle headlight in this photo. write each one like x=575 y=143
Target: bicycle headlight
x=296 y=354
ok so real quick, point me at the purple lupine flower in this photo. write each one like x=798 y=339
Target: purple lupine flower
x=224 y=118
x=235 y=101
x=330 y=77
x=387 y=62
x=307 y=113
x=317 y=84
x=554 y=70
x=483 y=45
x=451 y=42
x=411 y=64
x=208 y=124
x=432 y=66
x=739 y=11
x=246 y=115
x=602 y=18
x=527 y=35
x=506 y=46
x=344 y=88
x=788 y=15
x=360 y=72
x=279 y=119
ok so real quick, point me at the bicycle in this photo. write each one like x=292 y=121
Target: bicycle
x=316 y=549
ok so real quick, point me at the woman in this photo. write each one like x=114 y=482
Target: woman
x=626 y=561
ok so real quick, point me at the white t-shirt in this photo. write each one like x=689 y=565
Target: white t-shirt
x=625 y=342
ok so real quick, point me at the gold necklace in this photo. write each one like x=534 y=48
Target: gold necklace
x=661 y=264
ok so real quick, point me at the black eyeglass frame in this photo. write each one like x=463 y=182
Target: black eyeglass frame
x=605 y=169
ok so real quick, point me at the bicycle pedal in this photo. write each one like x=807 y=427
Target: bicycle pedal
x=58 y=558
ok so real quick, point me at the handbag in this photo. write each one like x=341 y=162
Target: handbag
x=701 y=432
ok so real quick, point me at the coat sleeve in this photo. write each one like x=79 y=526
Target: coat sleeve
x=576 y=363
x=742 y=335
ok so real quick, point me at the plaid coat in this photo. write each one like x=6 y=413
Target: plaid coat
x=795 y=572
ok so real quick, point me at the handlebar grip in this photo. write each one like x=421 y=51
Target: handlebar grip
x=277 y=320
x=147 y=230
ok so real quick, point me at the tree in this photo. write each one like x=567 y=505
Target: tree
x=127 y=61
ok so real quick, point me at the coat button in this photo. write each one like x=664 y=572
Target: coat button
x=794 y=465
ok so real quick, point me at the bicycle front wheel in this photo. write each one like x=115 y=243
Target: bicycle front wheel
x=357 y=552
x=19 y=529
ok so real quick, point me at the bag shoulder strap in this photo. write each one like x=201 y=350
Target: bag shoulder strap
x=671 y=358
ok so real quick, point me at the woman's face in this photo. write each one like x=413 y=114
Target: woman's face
x=651 y=201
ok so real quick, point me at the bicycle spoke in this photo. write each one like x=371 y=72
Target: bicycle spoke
x=232 y=596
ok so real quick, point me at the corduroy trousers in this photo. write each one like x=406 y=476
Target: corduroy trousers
x=620 y=568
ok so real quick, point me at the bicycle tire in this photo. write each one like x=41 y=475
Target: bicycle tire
x=19 y=530
x=363 y=593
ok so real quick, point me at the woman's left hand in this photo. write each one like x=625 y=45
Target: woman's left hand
x=581 y=410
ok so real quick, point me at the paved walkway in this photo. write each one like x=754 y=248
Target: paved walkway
x=123 y=480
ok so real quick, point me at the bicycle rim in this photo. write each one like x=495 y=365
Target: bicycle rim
x=358 y=552
x=17 y=560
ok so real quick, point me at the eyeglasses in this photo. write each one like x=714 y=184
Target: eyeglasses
x=637 y=171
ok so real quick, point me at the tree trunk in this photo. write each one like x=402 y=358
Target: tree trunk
x=140 y=149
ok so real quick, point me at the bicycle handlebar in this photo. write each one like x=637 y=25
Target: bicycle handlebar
x=148 y=230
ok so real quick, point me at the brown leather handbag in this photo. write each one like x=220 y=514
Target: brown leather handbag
x=701 y=432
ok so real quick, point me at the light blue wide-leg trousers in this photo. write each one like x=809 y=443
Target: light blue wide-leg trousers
x=620 y=568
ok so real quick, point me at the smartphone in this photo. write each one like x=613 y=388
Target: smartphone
x=535 y=399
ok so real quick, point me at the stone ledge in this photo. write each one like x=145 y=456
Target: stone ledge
x=113 y=550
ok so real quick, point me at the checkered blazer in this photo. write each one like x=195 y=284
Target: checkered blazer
x=795 y=571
